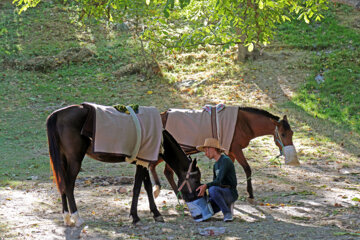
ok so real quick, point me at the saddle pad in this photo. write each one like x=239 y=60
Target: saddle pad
x=115 y=132
x=190 y=128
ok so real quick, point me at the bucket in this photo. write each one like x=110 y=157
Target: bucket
x=200 y=209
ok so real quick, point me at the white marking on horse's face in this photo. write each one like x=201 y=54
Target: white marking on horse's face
x=290 y=155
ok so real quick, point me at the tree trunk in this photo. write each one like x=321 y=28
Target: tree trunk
x=241 y=53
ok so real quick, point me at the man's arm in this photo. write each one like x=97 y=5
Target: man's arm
x=222 y=171
x=201 y=190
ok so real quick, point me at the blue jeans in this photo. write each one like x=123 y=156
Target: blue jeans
x=220 y=199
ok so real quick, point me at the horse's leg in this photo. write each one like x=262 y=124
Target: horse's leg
x=157 y=185
x=242 y=161
x=136 y=192
x=169 y=174
x=66 y=214
x=72 y=173
x=72 y=170
x=232 y=156
x=74 y=148
x=148 y=188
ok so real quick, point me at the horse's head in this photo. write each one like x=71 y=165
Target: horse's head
x=186 y=170
x=189 y=181
x=283 y=139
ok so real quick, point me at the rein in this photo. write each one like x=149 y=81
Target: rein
x=278 y=139
x=272 y=160
x=186 y=181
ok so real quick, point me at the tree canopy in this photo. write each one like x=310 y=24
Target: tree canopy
x=188 y=24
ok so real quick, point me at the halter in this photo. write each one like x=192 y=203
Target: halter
x=187 y=178
x=278 y=139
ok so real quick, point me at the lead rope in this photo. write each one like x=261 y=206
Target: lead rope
x=181 y=206
x=274 y=159
x=182 y=185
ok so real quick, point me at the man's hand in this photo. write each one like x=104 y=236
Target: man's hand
x=201 y=190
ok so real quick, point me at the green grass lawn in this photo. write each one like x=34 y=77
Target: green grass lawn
x=335 y=60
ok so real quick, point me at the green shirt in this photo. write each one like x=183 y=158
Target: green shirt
x=224 y=175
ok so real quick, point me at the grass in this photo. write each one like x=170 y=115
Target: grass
x=334 y=61
x=28 y=97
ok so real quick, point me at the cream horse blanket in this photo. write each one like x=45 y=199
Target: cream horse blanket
x=115 y=132
x=190 y=128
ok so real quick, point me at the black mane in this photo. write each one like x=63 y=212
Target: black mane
x=266 y=114
x=259 y=111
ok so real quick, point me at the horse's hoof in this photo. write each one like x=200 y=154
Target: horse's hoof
x=251 y=201
x=136 y=223
x=67 y=219
x=159 y=219
x=156 y=191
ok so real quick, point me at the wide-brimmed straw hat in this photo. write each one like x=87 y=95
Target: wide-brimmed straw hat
x=210 y=142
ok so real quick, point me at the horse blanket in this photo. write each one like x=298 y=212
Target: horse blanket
x=190 y=128
x=115 y=132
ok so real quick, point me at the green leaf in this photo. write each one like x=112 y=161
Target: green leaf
x=261 y=4
x=251 y=47
x=306 y=19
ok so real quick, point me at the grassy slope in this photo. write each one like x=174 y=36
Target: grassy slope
x=27 y=98
x=336 y=57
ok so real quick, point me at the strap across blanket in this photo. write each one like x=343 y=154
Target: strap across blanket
x=190 y=127
x=115 y=132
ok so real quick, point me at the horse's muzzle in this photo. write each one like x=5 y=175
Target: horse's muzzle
x=290 y=155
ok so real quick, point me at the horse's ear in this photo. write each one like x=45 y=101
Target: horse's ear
x=276 y=123
x=285 y=118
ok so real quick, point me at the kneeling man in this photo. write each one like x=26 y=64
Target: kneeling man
x=222 y=190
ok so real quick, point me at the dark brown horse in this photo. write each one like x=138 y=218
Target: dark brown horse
x=250 y=123
x=67 y=147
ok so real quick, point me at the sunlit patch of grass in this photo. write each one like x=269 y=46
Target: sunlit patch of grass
x=331 y=90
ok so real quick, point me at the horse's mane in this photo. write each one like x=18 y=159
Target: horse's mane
x=259 y=111
x=265 y=113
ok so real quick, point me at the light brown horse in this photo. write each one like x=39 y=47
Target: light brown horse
x=67 y=148
x=250 y=123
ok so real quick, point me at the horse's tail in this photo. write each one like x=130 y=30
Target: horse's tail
x=54 y=152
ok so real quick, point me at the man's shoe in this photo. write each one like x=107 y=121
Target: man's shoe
x=228 y=217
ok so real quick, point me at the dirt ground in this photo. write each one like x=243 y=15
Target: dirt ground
x=286 y=208
x=318 y=200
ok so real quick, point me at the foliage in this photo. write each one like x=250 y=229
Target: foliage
x=122 y=108
x=227 y=23
x=200 y=22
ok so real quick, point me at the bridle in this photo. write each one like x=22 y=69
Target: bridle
x=186 y=181
x=279 y=140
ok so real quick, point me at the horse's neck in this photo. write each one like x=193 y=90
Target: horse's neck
x=261 y=125
x=164 y=116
